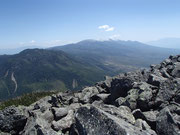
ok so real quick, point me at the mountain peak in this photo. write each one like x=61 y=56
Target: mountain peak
x=41 y=69
x=87 y=40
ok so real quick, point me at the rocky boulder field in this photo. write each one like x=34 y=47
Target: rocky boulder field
x=144 y=102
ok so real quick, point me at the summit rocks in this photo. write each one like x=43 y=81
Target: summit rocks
x=144 y=102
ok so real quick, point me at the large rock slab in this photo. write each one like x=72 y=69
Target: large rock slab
x=35 y=127
x=93 y=121
x=122 y=112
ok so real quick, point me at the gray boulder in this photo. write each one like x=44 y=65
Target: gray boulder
x=155 y=80
x=93 y=121
x=120 y=87
x=166 y=124
x=131 y=99
x=59 y=112
x=64 y=123
x=38 y=122
x=149 y=117
x=166 y=92
x=176 y=71
x=142 y=124
x=103 y=97
x=145 y=95
x=87 y=94
x=3 y=133
x=120 y=101
x=12 y=120
x=33 y=127
x=41 y=105
x=140 y=96
x=138 y=114
x=122 y=112
x=48 y=116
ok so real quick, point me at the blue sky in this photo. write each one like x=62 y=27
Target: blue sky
x=55 y=22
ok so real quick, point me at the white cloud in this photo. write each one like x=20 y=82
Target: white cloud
x=103 y=27
x=110 y=29
x=32 y=41
x=106 y=27
x=115 y=37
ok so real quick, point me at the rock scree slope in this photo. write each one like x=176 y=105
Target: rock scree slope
x=144 y=102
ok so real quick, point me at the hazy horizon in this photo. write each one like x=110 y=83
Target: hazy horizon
x=175 y=44
x=48 y=23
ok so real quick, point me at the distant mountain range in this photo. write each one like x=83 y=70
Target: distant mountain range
x=166 y=43
x=43 y=70
x=73 y=66
x=117 y=55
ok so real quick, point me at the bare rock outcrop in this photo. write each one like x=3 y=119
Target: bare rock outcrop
x=144 y=102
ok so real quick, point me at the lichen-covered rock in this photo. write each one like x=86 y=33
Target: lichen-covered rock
x=122 y=112
x=12 y=120
x=59 y=112
x=3 y=133
x=87 y=94
x=93 y=121
x=120 y=101
x=166 y=124
x=64 y=123
x=176 y=71
x=142 y=124
x=103 y=97
x=131 y=99
x=149 y=117
x=33 y=127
